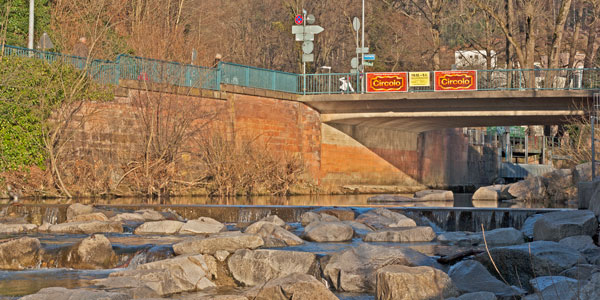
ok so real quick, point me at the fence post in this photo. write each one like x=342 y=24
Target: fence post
x=274 y=81
x=219 y=70
x=247 y=76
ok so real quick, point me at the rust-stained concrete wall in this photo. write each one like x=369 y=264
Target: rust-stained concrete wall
x=334 y=154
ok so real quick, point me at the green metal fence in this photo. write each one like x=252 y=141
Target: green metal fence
x=173 y=73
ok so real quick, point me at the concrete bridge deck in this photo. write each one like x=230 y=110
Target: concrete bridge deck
x=423 y=111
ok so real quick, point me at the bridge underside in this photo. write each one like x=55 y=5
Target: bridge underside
x=418 y=112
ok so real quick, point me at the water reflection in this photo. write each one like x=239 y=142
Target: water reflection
x=19 y=283
x=356 y=200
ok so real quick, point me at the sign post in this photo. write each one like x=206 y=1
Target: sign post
x=306 y=35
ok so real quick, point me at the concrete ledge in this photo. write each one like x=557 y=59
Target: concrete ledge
x=125 y=85
x=258 y=92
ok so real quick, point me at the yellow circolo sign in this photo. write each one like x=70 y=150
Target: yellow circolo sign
x=419 y=79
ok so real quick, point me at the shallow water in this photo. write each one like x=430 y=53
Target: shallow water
x=19 y=283
x=354 y=200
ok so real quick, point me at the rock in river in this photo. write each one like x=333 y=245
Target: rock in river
x=555 y=226
x=402 y=235
x=328 y=232
x=354 y=269
x=254 y=267
x=397 y=282
x=228 y=241
x=19 y=254
x=297 y=286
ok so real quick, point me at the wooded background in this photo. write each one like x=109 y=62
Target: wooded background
x=405 y=35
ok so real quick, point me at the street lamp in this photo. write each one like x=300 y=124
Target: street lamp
x=328 y=68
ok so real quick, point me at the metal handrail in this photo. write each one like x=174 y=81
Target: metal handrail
x=170 y=72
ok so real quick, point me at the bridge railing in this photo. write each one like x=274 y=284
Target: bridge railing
x=173 y=73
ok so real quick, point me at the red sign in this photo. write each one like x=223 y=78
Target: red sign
x=299 y=19
x=387 y=82
x=455 y=80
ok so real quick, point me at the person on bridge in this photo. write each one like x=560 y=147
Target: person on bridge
x=345 y=85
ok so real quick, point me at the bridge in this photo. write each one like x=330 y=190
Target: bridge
x=423 y=111
x=383 y=139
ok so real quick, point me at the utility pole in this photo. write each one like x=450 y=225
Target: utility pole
x=362 y=46
x=31 y=19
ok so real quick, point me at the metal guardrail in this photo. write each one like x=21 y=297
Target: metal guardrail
x=168 y=72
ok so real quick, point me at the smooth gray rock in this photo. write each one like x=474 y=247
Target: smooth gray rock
x=360 y=229
x=150 y=215
x=255 y=267
x=460 y=238
x=555 y=226
x=202 y=225
x=310 y=217
x=425 y=283
x=595 y=199
x=273 y=235
x=591 y=290
x=471 y=276
x=273 y=219
x=21 y=253
x=580 y=272
x=128 y=217
x=402 y=235
x=328 y=232
x=582 y=172
x=297 y=286
x=504 y=237
x=585 y=191
x=579 y=242
x=382 y=218
x=559 y=184
x=163 y=277
x=87 y=227
x=487 y=193
x=16 y=228
x=228 y=241
x=476 y=296
x=434 y=195
x=354 y=269
x=56 y=293
x=520 y=263
x=554 y=287
x=159 y=227
x=527 y=228
x=94 y=216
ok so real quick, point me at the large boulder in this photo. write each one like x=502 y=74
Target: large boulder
x=93 y=252
x=532 y=188
x=128 y=217
x=150 y=215
x=397 y=282
x=159 y=227
x=310 y=217
x=487 y=193
x=273 y=235
x=555 y=226
x=434 y=195
x=554 y=287
x=227 y=241
x=164 y=277
x=95 y=216
x=202 y=225
x=580 y=243
x=16 y=228
x=328 y=232
x=504 y=237
x=381 y=218
x=274 y=219
x=55 y=293
x=390 y=198
x=297 y=286
x=520 y=263
x=471 y=276
x=460 y=238
x=591 y=290
x=559 y=184
x=594 y=203
x=254 y=267
x=78 y=209
x=580 y=272
x=582 y=172
x=354 y=269
x=343 y=214
x=527 y=227
x=88 y=227
x=402 y=235
x=19 y=254
x=360 y=229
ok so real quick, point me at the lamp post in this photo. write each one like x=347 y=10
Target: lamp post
x=362 y=46
x=328 y=68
